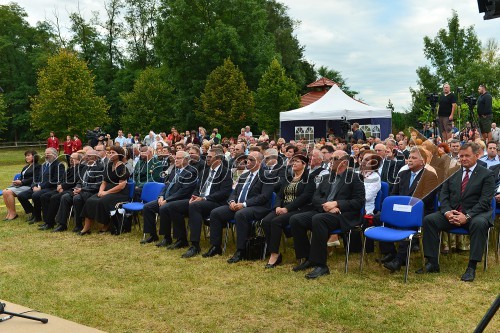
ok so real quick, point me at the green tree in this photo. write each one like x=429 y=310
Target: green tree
x=276 y=93
x=3 y=117
x=149 y=105
x=334 y=75
x=67 y=102
x=227 y=102
x=23 y=49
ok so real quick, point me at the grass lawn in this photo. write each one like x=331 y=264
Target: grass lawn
x=115 y=284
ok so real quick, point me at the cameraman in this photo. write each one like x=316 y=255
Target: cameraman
x=447 y=106
x=484 y=112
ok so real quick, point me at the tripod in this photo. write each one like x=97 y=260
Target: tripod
x=13 y=314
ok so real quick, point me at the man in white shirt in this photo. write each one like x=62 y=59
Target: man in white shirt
x=120 y=139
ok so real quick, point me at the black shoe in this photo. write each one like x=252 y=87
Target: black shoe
x=388 y=257
x=469 y=275
x=45 y=226
x=429 y=268
x=83 y=233
x=150 y=239
x=164 y=242
x=302 y=266
x=317 y=272
x=30 y=218
x=191 y=252
x=276 y=263
x=213 y=251
x=77 y=229
x=33 y=221
x=15 y=217
x=60 y=228
x=237 y=257
x=415 y=248
x=394 y=265
x=180 y=243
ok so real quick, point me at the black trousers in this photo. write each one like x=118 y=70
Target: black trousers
x=299 y=225
x=197 y=211
x=50 y=205
x=273 y=226
x=243 y=219
x=36 y=208
x=77 y=201
x=149 y=212
x=436 y=222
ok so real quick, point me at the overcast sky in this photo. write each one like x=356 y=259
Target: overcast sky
x=376 y=45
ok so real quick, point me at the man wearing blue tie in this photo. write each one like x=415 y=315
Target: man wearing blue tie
x=52 y=173
x=248 y=202
x=179 y=185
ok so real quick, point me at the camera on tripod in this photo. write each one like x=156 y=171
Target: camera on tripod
x=471 y=101
x=432 y=98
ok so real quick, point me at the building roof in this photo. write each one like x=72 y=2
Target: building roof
x=312 y=97
x=322 y=82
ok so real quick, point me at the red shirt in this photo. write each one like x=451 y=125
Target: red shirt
x=68 y=147
x=53 y=143
x=77 y=145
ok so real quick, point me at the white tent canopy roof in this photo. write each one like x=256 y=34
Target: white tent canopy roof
x=334 y=105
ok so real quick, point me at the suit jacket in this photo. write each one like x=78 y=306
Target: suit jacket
x=221 y=185
x=349 y=194
x=147 y=171
x=259 y=193
x=92 y=177
x=482 y=163
x=389 y=172
x=424 y=187
x=49 y=177
x=72 y=177
x=275 y=175
x=29 y=171
x=305 y=191
x=183 y=187
x=496 y=172
x=477 y=196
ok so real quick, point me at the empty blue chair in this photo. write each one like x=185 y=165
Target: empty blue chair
x=150 y=192
x=401 y=219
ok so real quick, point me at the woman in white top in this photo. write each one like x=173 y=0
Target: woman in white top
x=369 y=170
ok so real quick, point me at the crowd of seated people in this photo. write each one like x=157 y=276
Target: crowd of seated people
x=318 y=188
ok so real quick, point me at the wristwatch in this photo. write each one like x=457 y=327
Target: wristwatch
x=467 y=217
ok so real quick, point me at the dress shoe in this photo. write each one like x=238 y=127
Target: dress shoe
x=60 y=228
x=34 y=220
x=164 y=242
x=469 y=275
x=13 y=218
x=213 y=251
x=237 y=257
x=45 y=226
x=150 y=239
x=77 y=229
x=276 y=263
x=305 y=264
x=317 y=272
x=394 y=265
x=191 y=252
x=83 y=233
x=30 y=218
x=388 y=257
x=180 y=243
x=415 y=248
x=429 y=268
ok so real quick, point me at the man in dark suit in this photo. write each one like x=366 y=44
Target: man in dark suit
x=465 y=202
x=211 y=191
x=417 y=182
x=337 y=204
x=179 y=185
x=388 y=170
x=51 y=200
x=52 y=172
x=247 y=203
x=273 y=168
x=87 y=186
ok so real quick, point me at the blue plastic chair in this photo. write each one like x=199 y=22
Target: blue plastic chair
x=463 y=231
x=150 y=192
x=403 y=216
x=381 y=195
x=231 y=224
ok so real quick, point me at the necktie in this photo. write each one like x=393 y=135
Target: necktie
x=465 y=180
x=412 y=178
x=244 y=191
x=176 y=177
x=208 y=182
x=45 y=167
x=331 y=194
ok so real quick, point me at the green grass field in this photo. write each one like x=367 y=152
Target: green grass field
x=115 y=284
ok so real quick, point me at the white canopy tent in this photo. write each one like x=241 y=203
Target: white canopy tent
x=335 y=105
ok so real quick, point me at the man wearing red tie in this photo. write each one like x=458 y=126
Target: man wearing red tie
x=465 y=202
x=53 y=142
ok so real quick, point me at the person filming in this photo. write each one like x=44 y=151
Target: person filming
x=484 y=112
x=446 y=111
